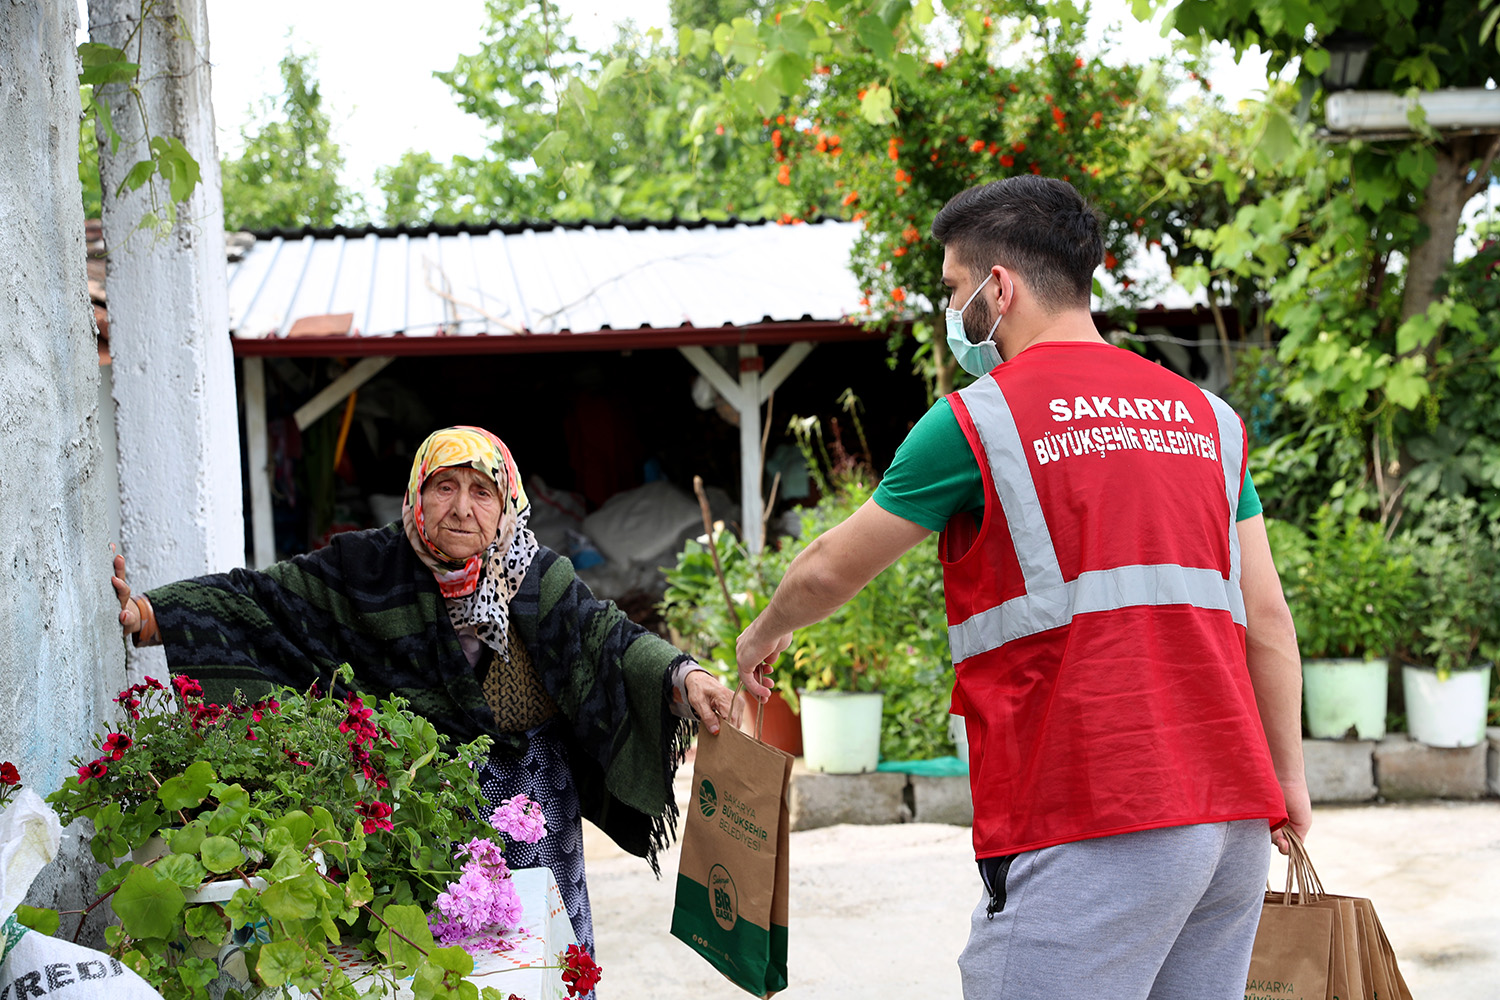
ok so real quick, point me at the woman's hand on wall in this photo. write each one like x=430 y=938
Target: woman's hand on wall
x=130 y=614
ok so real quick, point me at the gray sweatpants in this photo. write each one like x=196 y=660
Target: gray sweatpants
x=1161 y=914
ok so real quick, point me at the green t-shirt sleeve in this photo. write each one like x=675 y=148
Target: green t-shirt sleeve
x=1249 y=500
x=934 y=474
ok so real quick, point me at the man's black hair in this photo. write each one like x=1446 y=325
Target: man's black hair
x=1038 y=226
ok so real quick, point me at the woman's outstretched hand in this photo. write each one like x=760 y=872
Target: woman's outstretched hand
x=130 y=615
x=711 y=700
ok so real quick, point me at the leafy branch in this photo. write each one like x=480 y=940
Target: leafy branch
x=167 y=160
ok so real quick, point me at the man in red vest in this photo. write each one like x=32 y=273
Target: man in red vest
x=1125 y=661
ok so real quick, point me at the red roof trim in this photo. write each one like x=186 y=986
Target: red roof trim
x=542 y=343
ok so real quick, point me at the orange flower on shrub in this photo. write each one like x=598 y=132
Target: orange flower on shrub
x=902 y=177
x=898 y=295
x=1096 y=119
x=851 y=197
x=1110 y=260
x=977 y=146
x=899 y=252
x=776 y=138
x=1007 y=160
x=784 y=175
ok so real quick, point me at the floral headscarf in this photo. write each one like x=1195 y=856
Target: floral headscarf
x=478 y=589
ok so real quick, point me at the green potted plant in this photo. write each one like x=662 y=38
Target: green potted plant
x=1453 y=635
x=882 y=658
x=871 y=675
x=1349 y=592
x=248 y=840
x=696 y=608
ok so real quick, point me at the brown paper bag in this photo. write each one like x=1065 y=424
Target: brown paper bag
x=1291 y=956
x=1345 y=972
x=1382 y=978
x=1359 y=963
x=731 y=904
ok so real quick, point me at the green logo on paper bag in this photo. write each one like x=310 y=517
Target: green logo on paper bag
x=723 y=897
x=708 y=799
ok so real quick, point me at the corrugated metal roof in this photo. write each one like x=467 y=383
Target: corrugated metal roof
x=516 y=282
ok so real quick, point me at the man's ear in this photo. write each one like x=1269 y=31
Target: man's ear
x=1005 y=289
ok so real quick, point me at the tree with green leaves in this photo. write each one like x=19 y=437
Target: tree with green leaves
x=288 y=174
x=1351 y=245
x=897 y=151
x=576 y=135
x=1415 y=45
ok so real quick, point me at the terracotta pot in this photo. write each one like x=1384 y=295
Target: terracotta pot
x=780 y=727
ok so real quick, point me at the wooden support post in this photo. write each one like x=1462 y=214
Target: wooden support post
x=258 y=458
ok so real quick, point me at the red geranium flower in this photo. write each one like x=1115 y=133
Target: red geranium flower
x=375 y=815
x=116 y=744
x=187 y=687
x=580 y=971
x=9 y=775
x=97 y=769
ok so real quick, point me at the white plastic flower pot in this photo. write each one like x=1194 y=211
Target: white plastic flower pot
x=1446 y=713
x=1344 y=694
x=840 y=731
x=220 y=891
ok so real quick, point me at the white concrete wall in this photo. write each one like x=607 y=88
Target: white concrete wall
x=173 y=372
x=61 y=659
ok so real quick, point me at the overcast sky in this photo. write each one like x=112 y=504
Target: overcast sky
x=375 y=60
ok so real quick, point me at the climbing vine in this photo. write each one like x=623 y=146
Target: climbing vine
x=168 y=171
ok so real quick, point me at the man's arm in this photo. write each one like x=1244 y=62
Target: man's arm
x=1275 y=670
x=826 y=574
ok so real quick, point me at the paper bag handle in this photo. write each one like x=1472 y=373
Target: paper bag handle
x=1298 y=864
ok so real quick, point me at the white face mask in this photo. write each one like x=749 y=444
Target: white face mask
x=976 y=359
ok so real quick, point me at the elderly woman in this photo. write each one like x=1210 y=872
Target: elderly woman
x=485 y=632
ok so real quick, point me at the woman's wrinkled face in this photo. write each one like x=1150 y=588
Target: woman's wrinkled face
x=460 y=511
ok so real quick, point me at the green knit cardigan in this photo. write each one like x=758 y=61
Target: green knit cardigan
x=366 y=600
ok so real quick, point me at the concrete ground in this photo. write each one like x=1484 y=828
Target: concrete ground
x=883 y=910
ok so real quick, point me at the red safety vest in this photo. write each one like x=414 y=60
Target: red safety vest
x=1095 y=617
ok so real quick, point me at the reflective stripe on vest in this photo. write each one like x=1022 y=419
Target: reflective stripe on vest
x=1050 y=601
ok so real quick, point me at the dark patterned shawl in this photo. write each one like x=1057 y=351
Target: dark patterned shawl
x=367 y=601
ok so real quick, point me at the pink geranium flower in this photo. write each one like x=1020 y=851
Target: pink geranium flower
x=521 y=819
